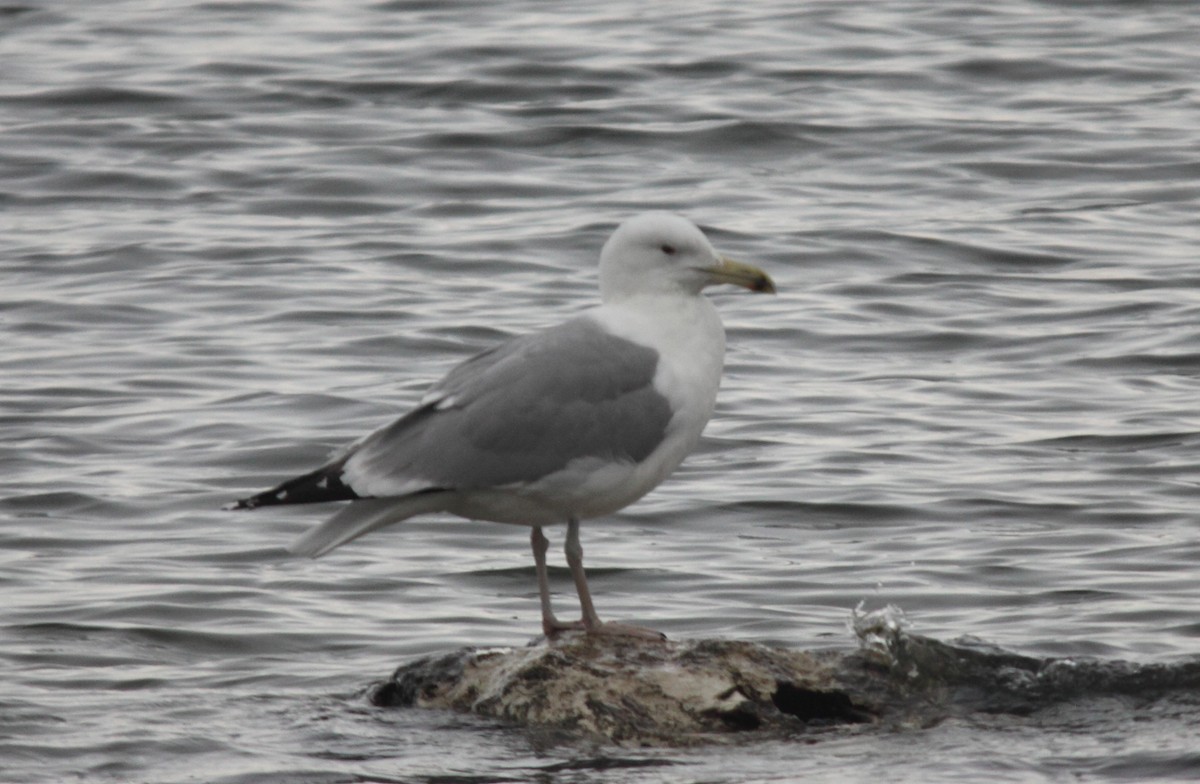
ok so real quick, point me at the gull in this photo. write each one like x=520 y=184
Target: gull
x=571 y=423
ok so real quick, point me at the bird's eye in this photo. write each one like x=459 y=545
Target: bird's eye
x=668 y=249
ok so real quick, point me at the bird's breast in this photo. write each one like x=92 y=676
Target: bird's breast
x=687 y=335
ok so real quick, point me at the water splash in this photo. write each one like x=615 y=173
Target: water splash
x=880 y=632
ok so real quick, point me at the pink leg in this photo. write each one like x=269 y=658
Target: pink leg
x=550 y=624
x=591 y=621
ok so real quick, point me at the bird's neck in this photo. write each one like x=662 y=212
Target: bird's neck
x=672 y=321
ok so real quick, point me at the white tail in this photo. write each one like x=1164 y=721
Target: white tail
x=362 y=517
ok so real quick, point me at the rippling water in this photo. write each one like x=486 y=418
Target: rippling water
x=237 y=235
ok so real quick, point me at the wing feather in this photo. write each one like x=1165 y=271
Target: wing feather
x=519 y=412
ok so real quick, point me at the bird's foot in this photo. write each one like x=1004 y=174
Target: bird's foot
x=614 y=629
x=551 y=627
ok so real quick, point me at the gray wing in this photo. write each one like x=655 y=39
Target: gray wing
x=519 y=412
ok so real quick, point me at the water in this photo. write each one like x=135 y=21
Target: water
x=238 y=235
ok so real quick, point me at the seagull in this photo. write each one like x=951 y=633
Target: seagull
x=558 y=426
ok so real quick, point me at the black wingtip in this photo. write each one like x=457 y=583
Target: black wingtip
x=241 y=503
x=324 y=484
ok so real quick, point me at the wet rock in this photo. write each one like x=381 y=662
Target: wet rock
x=636 y=692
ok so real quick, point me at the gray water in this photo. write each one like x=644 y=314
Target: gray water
x=234 y=236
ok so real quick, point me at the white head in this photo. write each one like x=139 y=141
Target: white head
x=661 y=253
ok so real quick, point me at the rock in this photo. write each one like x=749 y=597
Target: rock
x=636 y=692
